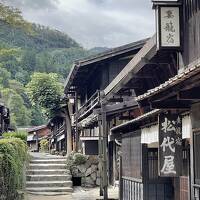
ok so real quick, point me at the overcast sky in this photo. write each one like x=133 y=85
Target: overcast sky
x=93 y=23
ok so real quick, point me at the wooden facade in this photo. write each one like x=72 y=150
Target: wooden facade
x=35 y=134
x=132 y=88
x=85 y=85
x=58 y=134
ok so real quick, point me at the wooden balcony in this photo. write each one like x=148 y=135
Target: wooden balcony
x=58 y=131
x=87 y=108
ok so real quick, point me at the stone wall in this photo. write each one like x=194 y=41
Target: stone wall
x=89 y=172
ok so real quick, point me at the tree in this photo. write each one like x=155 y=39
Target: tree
x=45 y=90
x=4 y=77
x=13 y=17
x=37 y=117
x=20 y=115
x=22 y=76
x=29 y=61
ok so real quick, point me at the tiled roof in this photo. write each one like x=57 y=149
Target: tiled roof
x=101 y=56
x=186 y=74
x=36 y=128
x=140 y=118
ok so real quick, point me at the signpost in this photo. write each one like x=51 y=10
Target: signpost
x=168 y=24
x=170 y=145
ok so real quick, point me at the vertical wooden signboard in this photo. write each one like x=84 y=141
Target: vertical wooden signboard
x=170 y=145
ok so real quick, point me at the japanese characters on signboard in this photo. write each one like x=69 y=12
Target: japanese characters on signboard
x=169 y=27
x=170 y=145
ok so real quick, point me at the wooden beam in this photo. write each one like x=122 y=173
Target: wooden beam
x=192 y=94
x=116 y=100
x=148 y=51
x=171 y=104
x=124 y=118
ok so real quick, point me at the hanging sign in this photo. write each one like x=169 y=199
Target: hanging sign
x=164 y=1
x=168 y=27
x=170 y=145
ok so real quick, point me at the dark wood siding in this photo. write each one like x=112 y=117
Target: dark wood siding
x=197 y=158
x=191 y=16
x=116 y=67
x=91 y=147
x=132 y=155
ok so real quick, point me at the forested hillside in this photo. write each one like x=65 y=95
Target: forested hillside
x=23 y=53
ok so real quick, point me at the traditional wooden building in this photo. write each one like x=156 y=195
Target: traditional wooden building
x=58 y=134
x=35 y=134
x=139 y=156
x=160 y=147
x=4 y=119
x=60 y=138
x=85 y=87
x=148 y=110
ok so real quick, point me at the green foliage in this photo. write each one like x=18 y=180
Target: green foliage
x=4 y=77
x=20 y=115
x=44 y=145
x=13 y=17
x=25 y=49
x=37 y=117
x=79 y=159
x=75 y=159
x=45 y=90
x=13 y=154
x=19 y=134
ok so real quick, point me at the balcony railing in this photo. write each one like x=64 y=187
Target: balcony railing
x=92 y=102
x=59 y=130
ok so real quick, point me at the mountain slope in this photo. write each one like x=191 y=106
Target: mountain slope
x=45 y=50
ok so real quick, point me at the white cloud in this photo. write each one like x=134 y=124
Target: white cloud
x=94 y=22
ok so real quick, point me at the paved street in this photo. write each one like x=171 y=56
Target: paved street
x=78 y=194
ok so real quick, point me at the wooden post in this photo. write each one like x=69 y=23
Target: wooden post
x=192 y=163
x=105 y=152
x=100 y=155
x=69 y=131
x=120 y=178
x=76 y=132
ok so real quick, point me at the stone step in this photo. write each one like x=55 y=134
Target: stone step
x=49 y=193
x=32 y=184
x=47 y=166
x=49 y=161
x=47 y=171
x=52 y=177
x=49 y=158
x=49 y=189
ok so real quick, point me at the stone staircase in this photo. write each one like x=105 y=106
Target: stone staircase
x=48 y=176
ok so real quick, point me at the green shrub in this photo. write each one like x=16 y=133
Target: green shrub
x=13 y=154
x=75 y=159
x=20 y=134
x=44 y=145
x=79 y=159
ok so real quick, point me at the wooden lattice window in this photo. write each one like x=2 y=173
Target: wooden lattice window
x=132 y=155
